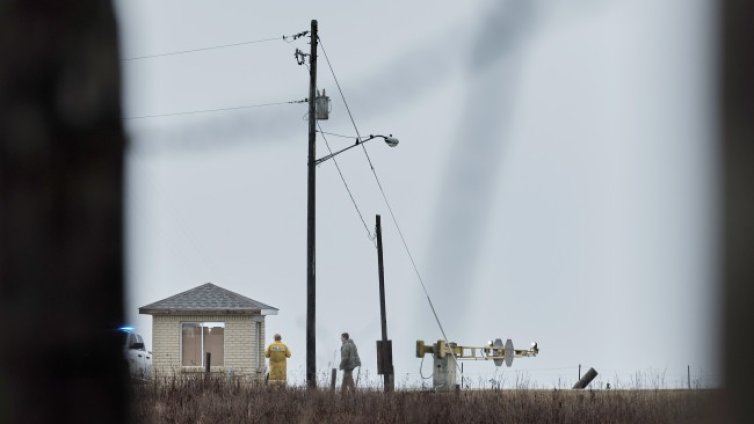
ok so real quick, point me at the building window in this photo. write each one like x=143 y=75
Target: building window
x=198 y=338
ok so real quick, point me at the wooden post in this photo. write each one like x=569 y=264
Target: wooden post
x=333 y=377
x=688 y=374
x=207 y=361
x=384 y=348
x=579 y=371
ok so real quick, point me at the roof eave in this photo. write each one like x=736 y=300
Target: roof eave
x=217 y=311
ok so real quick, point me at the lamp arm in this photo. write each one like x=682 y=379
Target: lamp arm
x=358 y=143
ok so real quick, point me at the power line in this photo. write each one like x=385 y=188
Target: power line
x=338 y=135
x=345 y=184
x=223 y=109
x=340 y=90
x=221 y=46
x=384 y=197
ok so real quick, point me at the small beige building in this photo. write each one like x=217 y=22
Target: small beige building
x=210 y=319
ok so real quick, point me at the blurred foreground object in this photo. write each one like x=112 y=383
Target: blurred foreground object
x=61 y=244
x=736 y=119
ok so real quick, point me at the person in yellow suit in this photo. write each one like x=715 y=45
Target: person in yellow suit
x=278 y=353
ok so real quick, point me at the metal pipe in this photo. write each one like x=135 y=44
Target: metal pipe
x=586 y=379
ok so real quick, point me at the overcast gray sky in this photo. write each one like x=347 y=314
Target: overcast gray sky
x=556 y=178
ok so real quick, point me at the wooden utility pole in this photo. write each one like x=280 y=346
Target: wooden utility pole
x=384 y=346
x=311 y=280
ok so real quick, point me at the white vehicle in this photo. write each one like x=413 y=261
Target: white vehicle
x=139 y=360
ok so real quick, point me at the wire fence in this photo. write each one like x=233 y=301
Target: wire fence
x=525 y=379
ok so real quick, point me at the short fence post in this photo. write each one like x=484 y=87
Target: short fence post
x=333 y=376
x=688 y=373
x=207 y=362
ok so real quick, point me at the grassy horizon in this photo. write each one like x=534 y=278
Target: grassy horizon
x=181 y=399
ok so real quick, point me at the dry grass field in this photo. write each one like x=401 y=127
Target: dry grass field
x=186 y=400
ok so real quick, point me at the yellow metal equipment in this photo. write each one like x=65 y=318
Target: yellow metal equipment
x=446 y=356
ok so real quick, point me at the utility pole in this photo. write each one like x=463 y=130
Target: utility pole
x=384 y=346
x=311 y=280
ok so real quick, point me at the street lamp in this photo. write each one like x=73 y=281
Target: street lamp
x=389 y=140
x=311 y=369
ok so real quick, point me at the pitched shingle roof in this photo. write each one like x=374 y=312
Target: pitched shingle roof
x=208 y=299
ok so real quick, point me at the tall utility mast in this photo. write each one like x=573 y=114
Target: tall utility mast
x=319 y=108
x=311 y=279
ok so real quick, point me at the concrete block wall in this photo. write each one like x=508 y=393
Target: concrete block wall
x=243 y=347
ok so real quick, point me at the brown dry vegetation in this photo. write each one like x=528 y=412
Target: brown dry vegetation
x=194 y=400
